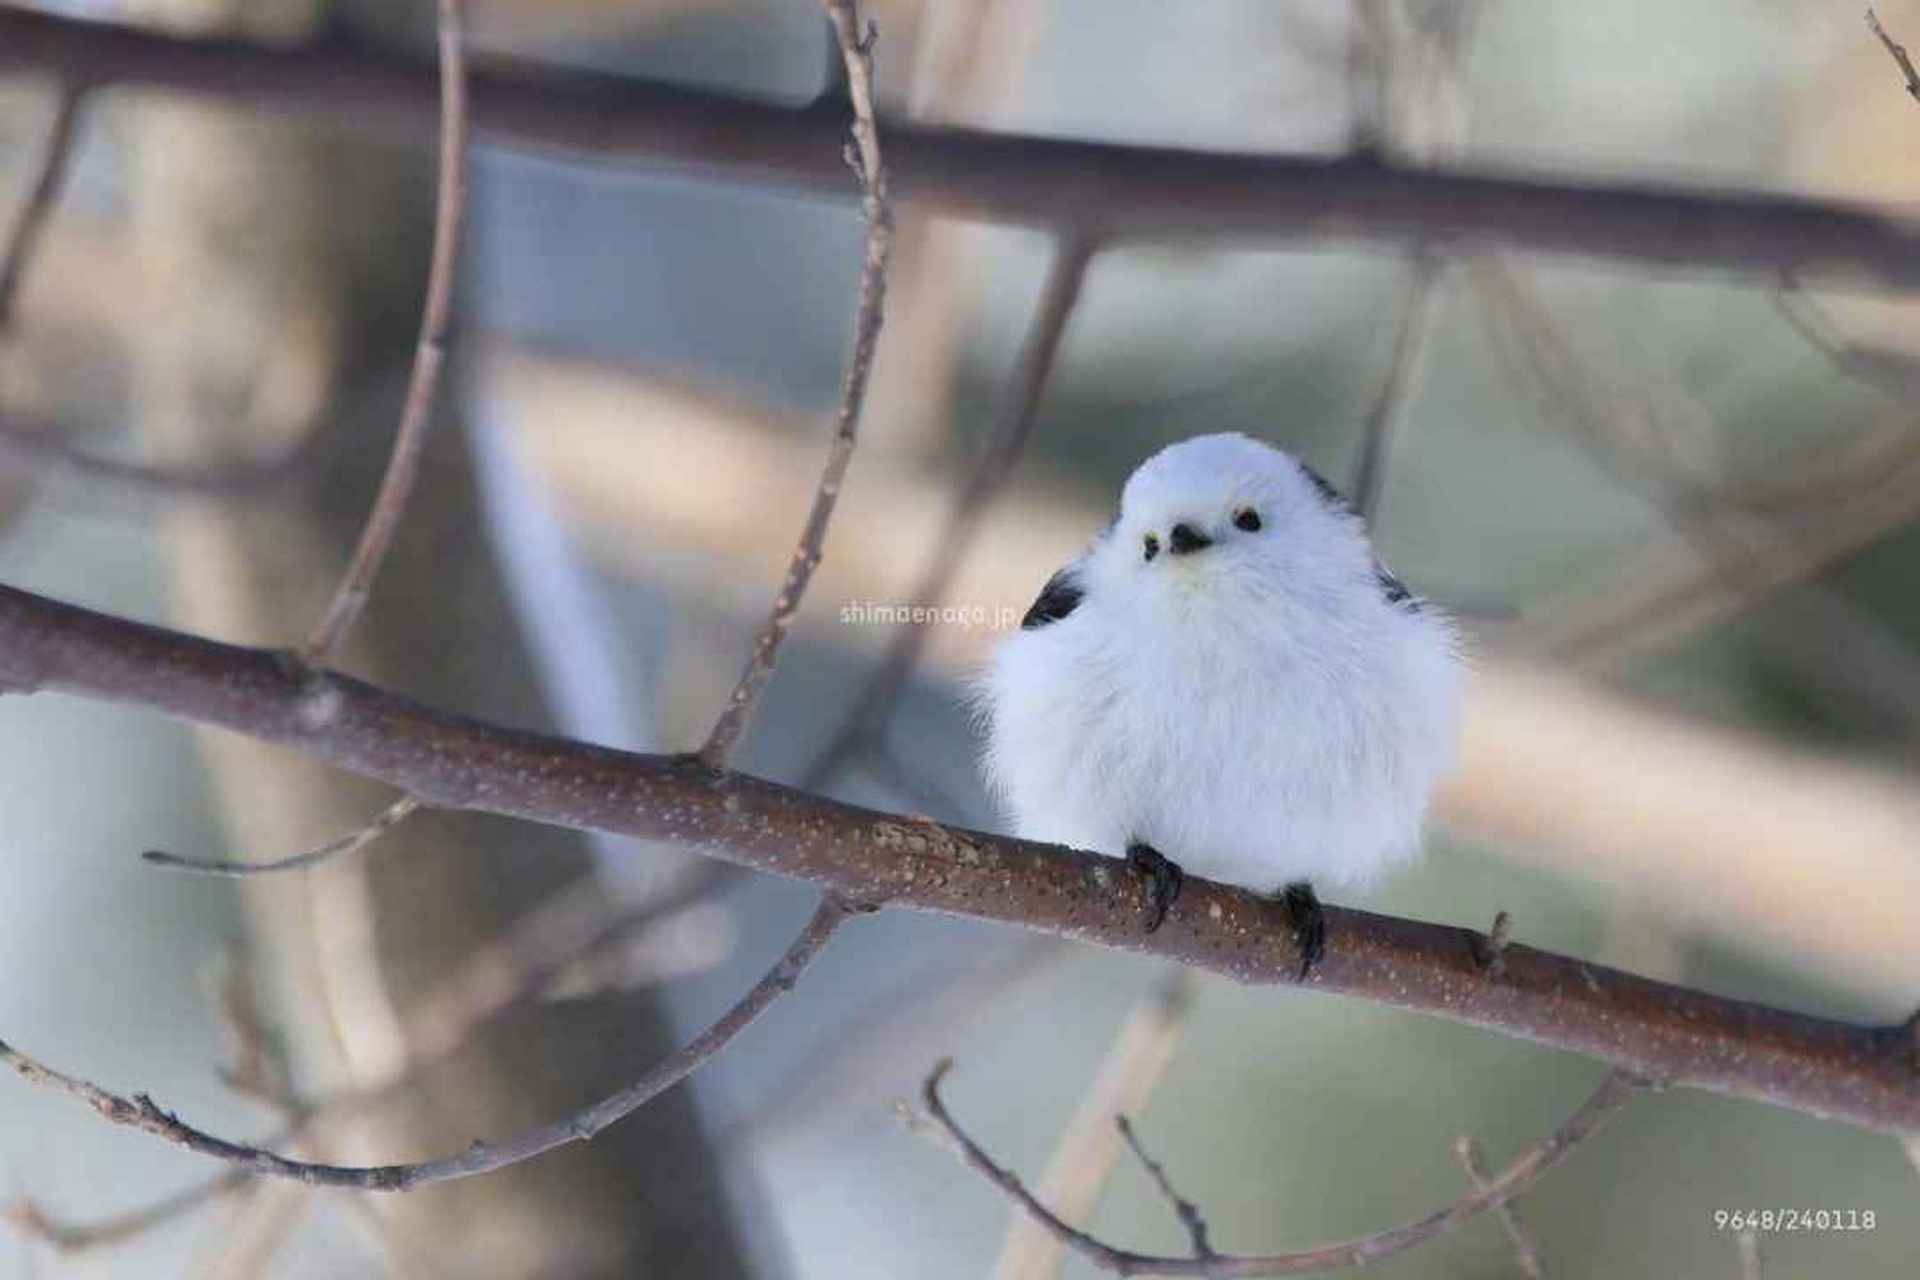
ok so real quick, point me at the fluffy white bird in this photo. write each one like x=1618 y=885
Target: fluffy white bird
x=1227 y=680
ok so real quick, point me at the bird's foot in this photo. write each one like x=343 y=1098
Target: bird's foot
x=1164 y=879
x=1308 y=923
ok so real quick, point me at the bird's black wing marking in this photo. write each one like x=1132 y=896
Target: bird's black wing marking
x=1391 y=587
x=1060 y=597
x=1328 y=494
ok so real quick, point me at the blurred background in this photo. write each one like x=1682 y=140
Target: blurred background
x=1676 y=510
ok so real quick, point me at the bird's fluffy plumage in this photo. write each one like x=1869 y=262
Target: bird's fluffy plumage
x=1268 y=708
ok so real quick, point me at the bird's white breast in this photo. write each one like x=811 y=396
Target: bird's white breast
x=1258 y=745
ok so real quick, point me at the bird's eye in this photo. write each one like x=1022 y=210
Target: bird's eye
x=1248 y=519
x=1152 y=546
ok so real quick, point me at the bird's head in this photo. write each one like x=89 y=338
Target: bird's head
x=1225 y=516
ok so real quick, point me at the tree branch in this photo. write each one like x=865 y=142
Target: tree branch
x=141 y=1112
x=1113 y=190
x=396 y=486
x=1526 y=1257
x=343 y=846
x=1059 y=294
x=38 y=207
x=1898 y=52
x=864 y=156
x=1614 y=1092
x=1863 y=1075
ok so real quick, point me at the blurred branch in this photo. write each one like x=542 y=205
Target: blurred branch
x=47 y=182
x=1864 y=1075
x=1420 y=298
x=1614 y=1093
x=1040 y=349
x=42 y=450
x=1526 y=1257
x=141 y=1112
x=32 y=1220
x=1084 y=1157
x=1898 y=52
x=1892 y=371
x=1112 y=190
x=396 y=486
x=856 y=49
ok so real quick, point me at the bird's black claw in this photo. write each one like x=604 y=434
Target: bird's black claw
x=1308 y=923
x=1164 y=879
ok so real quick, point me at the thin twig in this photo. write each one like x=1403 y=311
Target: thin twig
x=1189 y=1213
x=864 y=155
x=1614 y=1092
x=38 y=208
x=389 y=818
x=1748 y=1243
x=1898 y=52
x=396 y=486
x=1422 y=295
x=140 y=1111
x=1526 y=1256
x=1038 y=354
x=1088 y=1148
x=490 y=982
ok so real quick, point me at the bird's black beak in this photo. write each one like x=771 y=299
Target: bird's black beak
x=1184 y=538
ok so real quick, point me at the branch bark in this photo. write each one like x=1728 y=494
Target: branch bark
x=1862 y=1075
x=1111 y=190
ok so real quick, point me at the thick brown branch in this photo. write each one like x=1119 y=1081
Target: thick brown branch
x=403 y=466
x=1863 y=1075
x=864 y=155
x=1118 y=191
x=141 y=1112
x=1614 y=1092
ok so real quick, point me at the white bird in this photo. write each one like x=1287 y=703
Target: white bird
x=1227 y=681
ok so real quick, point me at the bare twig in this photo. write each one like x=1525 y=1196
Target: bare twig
x=1189 y=1213
x=1119 y=191
x=141 y=1112
x=1860 y=1074
x=1525 y=1256
x=1898 y=52
x=396 y=486
x=1089 y=1146
x=1038 y=353
x=1614 y=1092
x=48 y=179
x=488 y=983
x=1422 y=294
x=863 y=154
x=1748 y=1242
x=389 y=818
